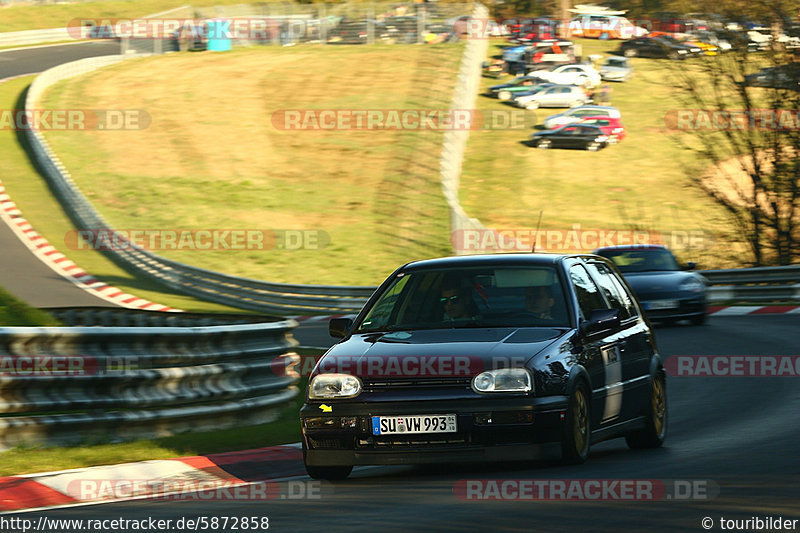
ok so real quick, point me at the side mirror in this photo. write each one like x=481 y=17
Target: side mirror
x=338 y=328
x=690 y=265
x=601 y=319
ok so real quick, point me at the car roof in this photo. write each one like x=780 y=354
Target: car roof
x=490 y=260
x=630 y=248
x=590 y=106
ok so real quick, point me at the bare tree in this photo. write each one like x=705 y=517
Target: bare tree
x=743 y=113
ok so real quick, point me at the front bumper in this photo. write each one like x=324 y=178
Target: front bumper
x=687 y=308
x=520 y=428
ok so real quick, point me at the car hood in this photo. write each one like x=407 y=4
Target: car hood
x=652 y=282
x=461 y=351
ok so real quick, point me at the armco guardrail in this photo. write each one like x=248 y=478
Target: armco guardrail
x=63 y=385
x=262 y=296
x=22 y=38
x=760 y=284
x=455 y=140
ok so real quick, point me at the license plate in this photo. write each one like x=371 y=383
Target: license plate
x=661 y=304
x=393 y=425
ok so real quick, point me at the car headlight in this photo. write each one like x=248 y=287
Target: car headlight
x=326 y=386
x=503 y=380
x=693 y=285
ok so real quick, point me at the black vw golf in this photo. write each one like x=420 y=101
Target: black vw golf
x=486 y=358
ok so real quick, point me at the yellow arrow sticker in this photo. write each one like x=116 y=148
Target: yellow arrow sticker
x=326 y=408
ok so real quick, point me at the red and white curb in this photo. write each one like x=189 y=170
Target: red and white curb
x=50 y=256
x=57 y=261
x=740 y=310
x=222 y=472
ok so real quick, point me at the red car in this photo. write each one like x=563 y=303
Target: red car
x=612 y=127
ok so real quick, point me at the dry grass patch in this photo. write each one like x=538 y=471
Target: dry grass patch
x=212 y=157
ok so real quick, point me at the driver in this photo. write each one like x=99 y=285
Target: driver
x=539 y=301
x=457 y=302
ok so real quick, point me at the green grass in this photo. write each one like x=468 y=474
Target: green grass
x=13 y=312
x=204 y=162
x=644 y=182
x=32 y=195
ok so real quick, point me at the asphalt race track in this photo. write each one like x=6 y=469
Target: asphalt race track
x=735 y=438
x=21 y=272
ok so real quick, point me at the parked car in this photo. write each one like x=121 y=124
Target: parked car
x=602 y=26
x=584 y=75
x=612 y=127
x=666 y=289
x=513 y=54
x=585 y=137
x=686 y=40
x=779 y=77
x=616 y=69
x=506 y=357
x=708 y=36
x=552 y=96
x=657 y=47
x=505 y=91
x=577 y=113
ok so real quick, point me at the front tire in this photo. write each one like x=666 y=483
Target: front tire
x=504 y=95
x=576 y=431
x=593 y=146
x=532 y=106
x=655 y=431
x=544 y=144
x=629 y=52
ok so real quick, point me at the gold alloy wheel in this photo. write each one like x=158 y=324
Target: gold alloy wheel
x=580 y=417
x=659 y=405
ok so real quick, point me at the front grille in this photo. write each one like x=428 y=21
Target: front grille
x=380 y=384
x=397 y=441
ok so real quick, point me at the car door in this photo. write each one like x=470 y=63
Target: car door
x=587 y=135
x=599 y=352
x=625 y=379
x=548 y=97
x=565 y=97
x=567 y=137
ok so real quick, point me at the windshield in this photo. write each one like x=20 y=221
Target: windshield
x=642 y=260
x=469 y=298
x=615 y=63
